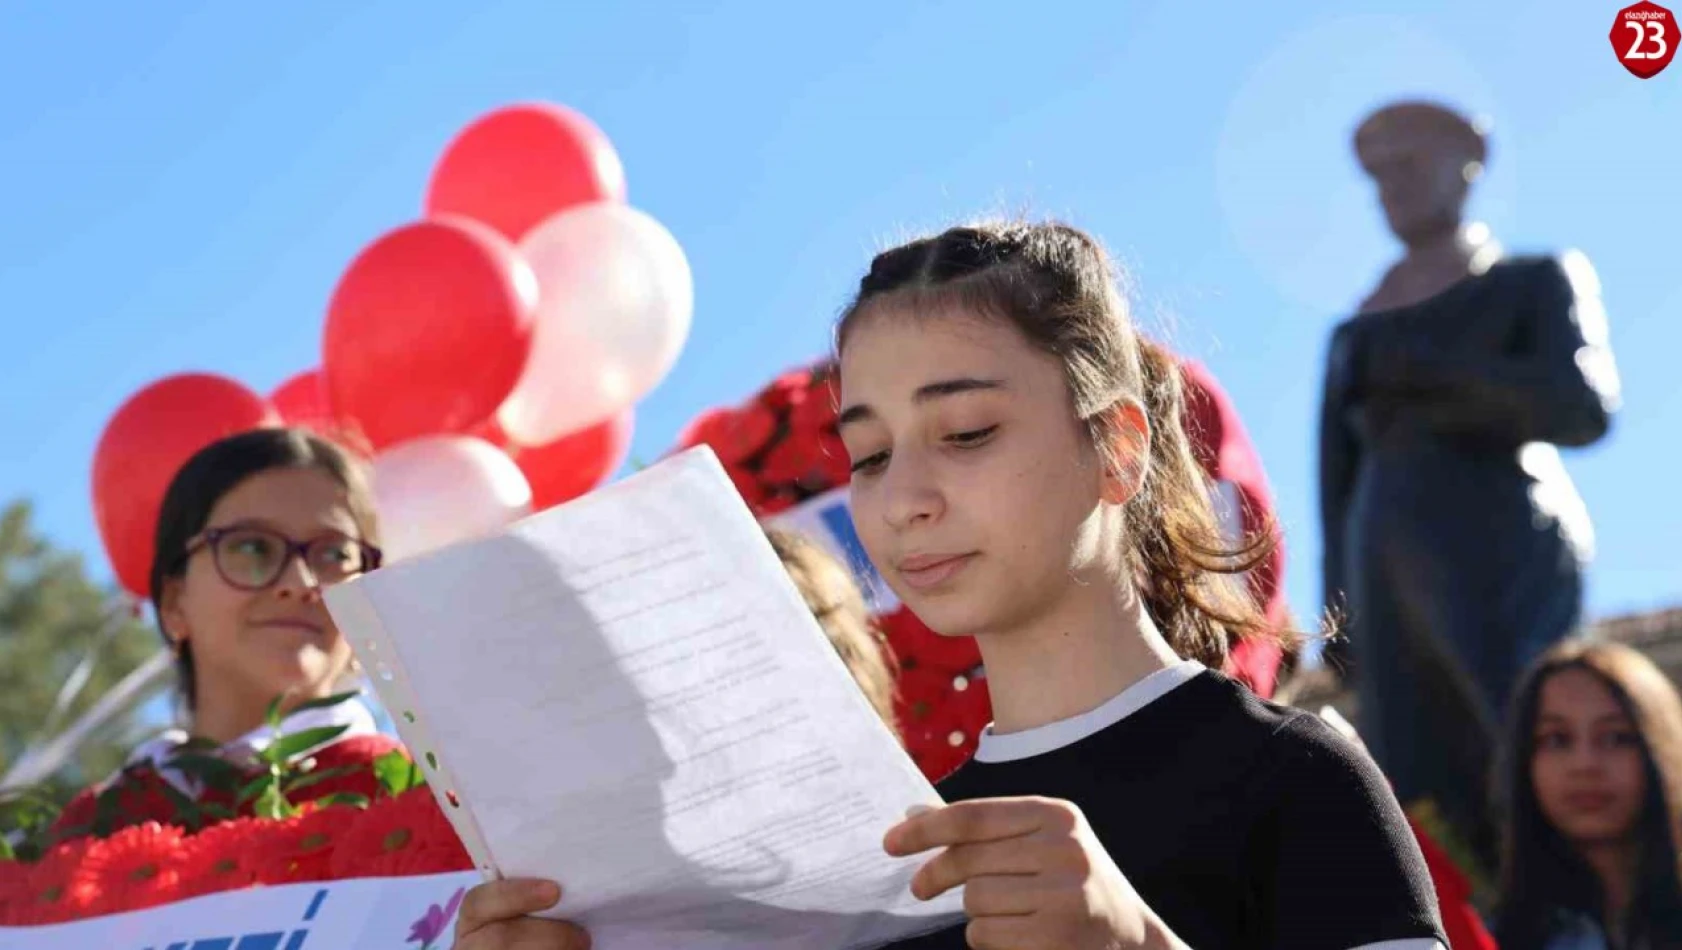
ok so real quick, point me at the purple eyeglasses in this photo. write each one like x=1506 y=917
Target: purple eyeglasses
x=252 y=558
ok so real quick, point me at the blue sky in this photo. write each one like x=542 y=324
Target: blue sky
x=182 y=184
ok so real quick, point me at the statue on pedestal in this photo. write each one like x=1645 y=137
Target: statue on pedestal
x=1454 y=540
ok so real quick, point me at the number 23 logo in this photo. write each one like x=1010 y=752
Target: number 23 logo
x=1645 y=38
x=1647 y=30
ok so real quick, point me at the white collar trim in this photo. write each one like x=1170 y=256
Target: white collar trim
x=1065 y=732
x=352 y=713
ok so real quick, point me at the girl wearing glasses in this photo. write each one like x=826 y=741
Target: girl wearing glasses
x=250 y=530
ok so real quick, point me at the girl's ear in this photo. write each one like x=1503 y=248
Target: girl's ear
x=171 y=617
x=1125 y=475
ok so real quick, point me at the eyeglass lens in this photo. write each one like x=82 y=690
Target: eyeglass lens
x=256 y=557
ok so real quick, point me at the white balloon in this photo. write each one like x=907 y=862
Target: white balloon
x=615 y=302
x=439 y=490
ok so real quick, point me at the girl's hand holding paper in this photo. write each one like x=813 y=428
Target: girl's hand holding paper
x=1033 y=874
x=495 y=916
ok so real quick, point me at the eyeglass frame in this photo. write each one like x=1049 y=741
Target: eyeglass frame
x=372 y=556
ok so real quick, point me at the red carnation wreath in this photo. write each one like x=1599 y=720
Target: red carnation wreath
x=145 y=861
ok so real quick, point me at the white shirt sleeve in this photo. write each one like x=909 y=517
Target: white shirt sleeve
x=1229 y=512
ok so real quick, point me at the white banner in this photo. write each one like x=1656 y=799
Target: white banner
x=389 y=913
x=828 y=520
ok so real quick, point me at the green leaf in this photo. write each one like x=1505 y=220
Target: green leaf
x=271 y=804
x=26 y=810
x=66 y=834
x=200 y=744
x=272 y=715
x=397 y=772
x=205 y=768
x=351 y=799
x=6 y=852
x=255 y=787
x=327 y=702
x=105 y=809
x=288 y=746
x=311 y=778
x=218 y=812
x=34 y=793
x=186 y=809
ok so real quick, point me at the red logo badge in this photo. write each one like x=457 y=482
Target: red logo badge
x=1645 y=37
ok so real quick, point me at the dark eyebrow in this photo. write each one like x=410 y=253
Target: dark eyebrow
x=267 y=525
x=946 y=387
x=1600 y=720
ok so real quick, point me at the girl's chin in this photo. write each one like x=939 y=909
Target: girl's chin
x=948 y=619
x=301 y=673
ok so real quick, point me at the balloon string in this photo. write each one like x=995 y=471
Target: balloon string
x=121 y=608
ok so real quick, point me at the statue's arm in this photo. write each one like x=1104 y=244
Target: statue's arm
x=1339 y=458
x=1559 y=384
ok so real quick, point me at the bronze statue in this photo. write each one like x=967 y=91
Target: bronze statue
x=1454 y=540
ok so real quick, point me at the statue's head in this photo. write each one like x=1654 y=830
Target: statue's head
x=1424 y=157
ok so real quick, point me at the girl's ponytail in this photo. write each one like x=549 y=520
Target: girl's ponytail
x=1190 y=574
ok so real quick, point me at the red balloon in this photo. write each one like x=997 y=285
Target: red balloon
x=574 y=464
x=427 y=331
x=491 y=431
x=516 y=166
x=146 y=442
x=302 y=401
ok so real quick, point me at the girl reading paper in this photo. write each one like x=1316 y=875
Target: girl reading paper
x=1021 y=475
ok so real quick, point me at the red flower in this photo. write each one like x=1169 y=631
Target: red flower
x=937 y=762
x=917 y=693
x=817 y=411
x=301 y=848
x=788 y=461
x=918 y=646
x=140 y=798
x=1461 y=922
x=400 y=836
x=813 y=461
x=752 y=492
x=775 y=502
x=223 y=857
x=941 y=716
x=696 y=430
x=835 y=466
x=50 y=893
x=735 y=435
x=788 y=389
x=969 y=710
x=14 y=889
x=135 y=868
x=357 y=753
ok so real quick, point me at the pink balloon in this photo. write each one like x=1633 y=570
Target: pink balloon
x=615 y=302
x=440 y=490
